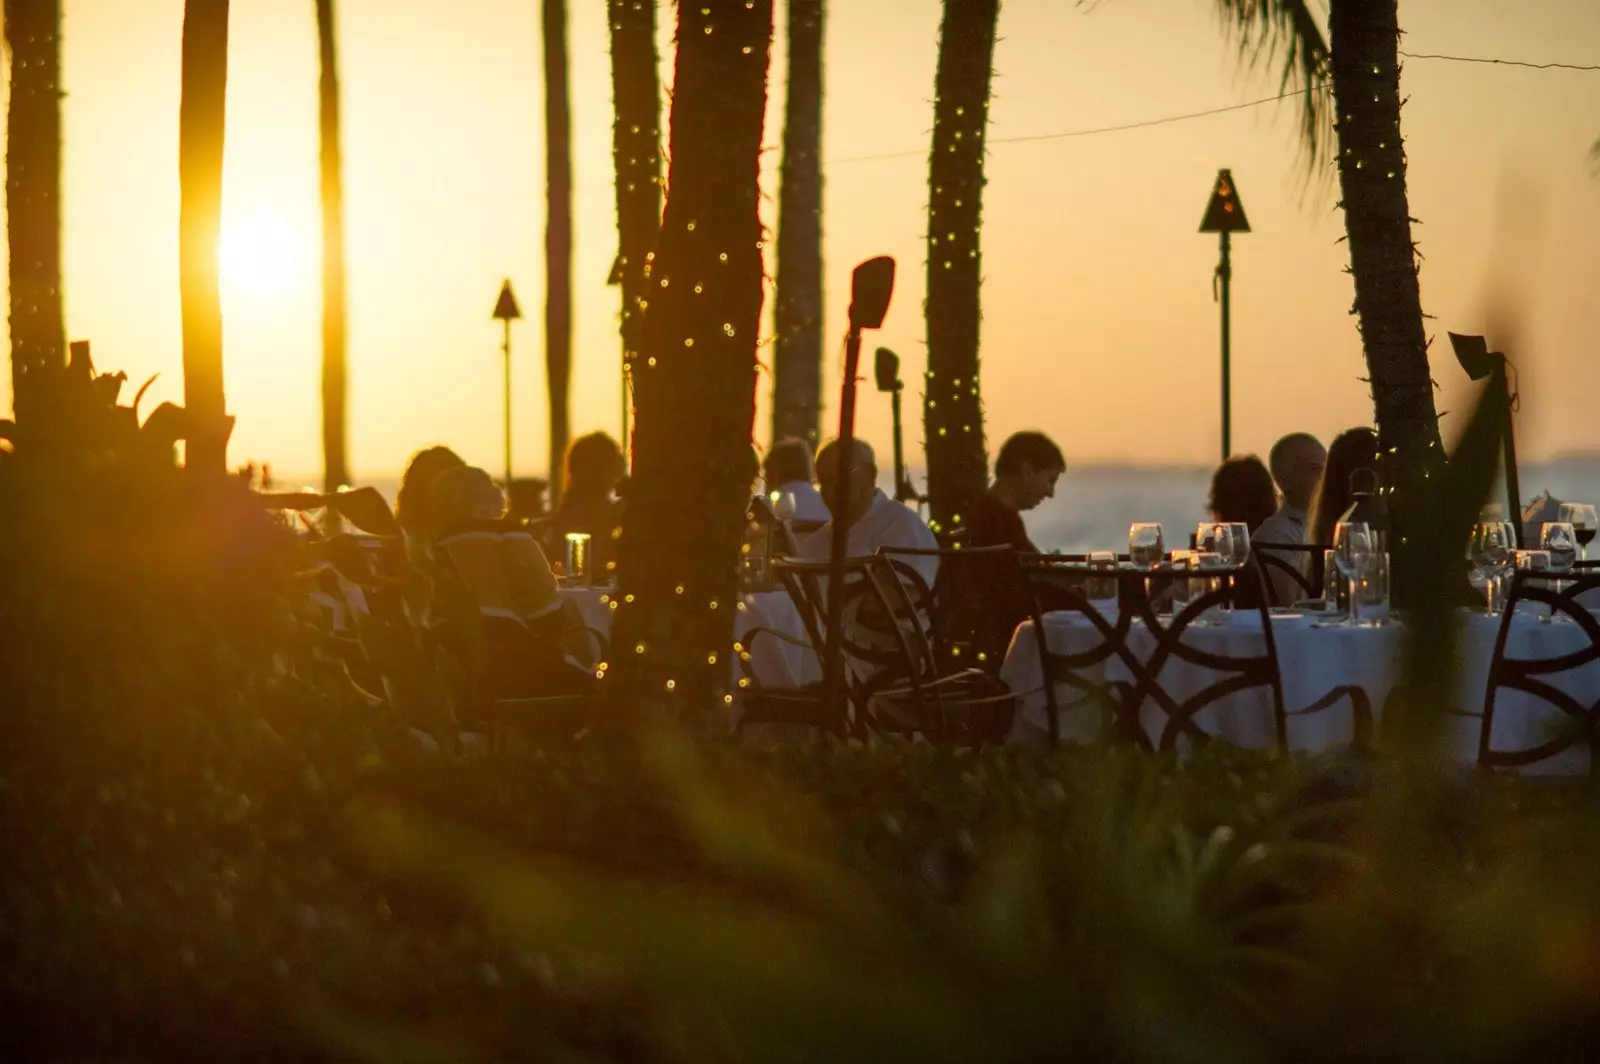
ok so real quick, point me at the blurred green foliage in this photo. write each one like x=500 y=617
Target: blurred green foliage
x=216 y=853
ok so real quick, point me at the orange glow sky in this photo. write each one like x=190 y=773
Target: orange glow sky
x=1099 y=325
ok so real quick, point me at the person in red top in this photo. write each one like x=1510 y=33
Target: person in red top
x=1025 y=474
x=994 y=593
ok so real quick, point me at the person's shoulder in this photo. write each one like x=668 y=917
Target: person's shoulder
x=1278 y=529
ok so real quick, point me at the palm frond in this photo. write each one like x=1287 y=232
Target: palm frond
x=1285 y=33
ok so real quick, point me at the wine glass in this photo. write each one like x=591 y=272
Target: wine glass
x=1581 y=516
x=1490 y=549
x=1146 y=548
x=1352 y=549
x=1561 y=541
x=1239 y=532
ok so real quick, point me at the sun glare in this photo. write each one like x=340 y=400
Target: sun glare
x=260 y=255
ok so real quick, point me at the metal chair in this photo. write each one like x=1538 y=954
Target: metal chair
x=1284 y=560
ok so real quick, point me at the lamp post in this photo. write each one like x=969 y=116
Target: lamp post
x=506 y=311
x=1475 y=357
x=871 y=285
x=1225 y=216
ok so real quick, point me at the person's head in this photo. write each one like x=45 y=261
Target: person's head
x=1241 y=490
x=466 y=495
x=1352 y=450
x=1027 y=468
x=413 y=503
x=787 y=462
x=858 y=466
x=1297 y=462
x=594 y=466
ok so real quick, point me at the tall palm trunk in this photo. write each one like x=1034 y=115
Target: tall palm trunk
x=335 y=367
x=695 y=388
x=636 y=156
x=958 y=467
x=557 y=234
x=202 y=118
x=797 y=357
x=33 y=201
x=1364 y=42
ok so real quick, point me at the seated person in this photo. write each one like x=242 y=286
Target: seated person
x=788 y=471
x=414 y=502
x=1242 y=491
x=1296 y=462
x=589 y=503
x=1352 y=451
x=996 y=594
x=872 y=519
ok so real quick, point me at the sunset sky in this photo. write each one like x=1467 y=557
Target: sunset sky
x=1099 y=325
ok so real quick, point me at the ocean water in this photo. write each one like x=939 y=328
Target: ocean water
x=1094 y=505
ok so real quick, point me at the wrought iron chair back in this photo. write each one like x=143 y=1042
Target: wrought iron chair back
x=964 y=611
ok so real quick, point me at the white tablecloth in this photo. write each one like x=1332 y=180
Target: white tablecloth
x=1313 y=659
x=775 y=662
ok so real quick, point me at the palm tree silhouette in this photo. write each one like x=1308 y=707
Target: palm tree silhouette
x=797 y=315
x=557 y=235
x=694 y=385
x=958 y=466
x=636 y=160
x=335 y=367
x=1361 y=61
x=202 y=121
x=33 y=202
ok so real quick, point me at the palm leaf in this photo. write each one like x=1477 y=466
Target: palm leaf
x=1285 y=33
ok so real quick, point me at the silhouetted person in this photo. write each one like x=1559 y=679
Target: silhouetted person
x=872 y=519
x=1352 y=450
x=413 y=504
x=1025 y=474
x=1296 y=462
x=788 y=471
x=589 y=503
x=1242 y=490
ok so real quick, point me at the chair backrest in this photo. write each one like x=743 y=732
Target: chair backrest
x=1536 y=677
x=1229 y=673
x=970 y=623
x=1293 y=563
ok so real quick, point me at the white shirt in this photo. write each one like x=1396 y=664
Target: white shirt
x=885 y=524
x=808 y=505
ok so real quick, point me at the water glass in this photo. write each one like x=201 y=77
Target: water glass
x=1334 y=590
x=1581 y=516
x=1239 y=535
x=1212 y=563
x=1561 y=540
x=1352 y=551
x=1102 y=587
x=1146 y=546
x=1182 y=588
x=577 y=560
x=1489 y=550
x=1373 y=591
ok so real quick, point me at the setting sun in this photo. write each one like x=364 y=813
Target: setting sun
x=261 y=255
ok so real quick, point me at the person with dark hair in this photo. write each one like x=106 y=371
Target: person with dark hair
x=1025 y=474
x=787 y=471
x=413 y=504
x=1242 y=490
x=589 y=503
x=1352 y=450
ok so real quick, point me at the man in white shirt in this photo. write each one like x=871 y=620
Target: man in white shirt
x=787 y=472
x=872 y=520
x=1296 y=462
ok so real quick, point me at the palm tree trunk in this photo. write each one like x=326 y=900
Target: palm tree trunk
x=335 y=368
x=958 y=466
x=202 y=119
x=695 y=390
x=1364 y=42
x=557 y=234
x=636 y=155
x=33 y=202
x=797 y=356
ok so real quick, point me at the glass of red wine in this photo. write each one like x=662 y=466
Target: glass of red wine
x=1581 y=516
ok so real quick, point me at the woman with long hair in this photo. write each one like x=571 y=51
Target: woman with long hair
x=1242 y=490
x=1353 y=450
x=414 y=504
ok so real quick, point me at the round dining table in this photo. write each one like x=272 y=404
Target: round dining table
x=1315 y=656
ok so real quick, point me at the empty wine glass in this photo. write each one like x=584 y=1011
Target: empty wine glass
x=1239 y=534
x=1581 y=516
x=1490 y=549
x=1352 y=549
x=1561 y=542
x=1146 y=547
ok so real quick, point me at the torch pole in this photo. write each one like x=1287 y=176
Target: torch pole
x=505 y=348
x=1225 y=278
